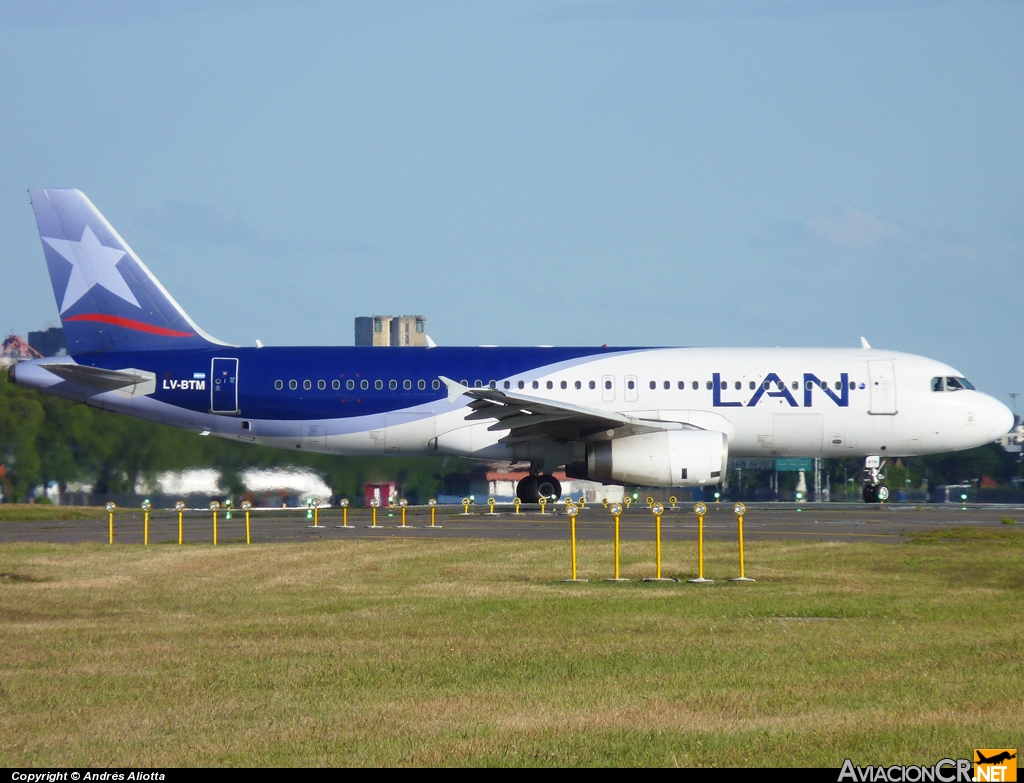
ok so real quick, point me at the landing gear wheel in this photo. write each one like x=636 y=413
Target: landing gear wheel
x=875 y=493
x=548 y=487
x=526 y=490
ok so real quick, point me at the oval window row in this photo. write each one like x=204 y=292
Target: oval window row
x=363 y=384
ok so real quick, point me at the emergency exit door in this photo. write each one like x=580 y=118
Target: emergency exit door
x=224 y=386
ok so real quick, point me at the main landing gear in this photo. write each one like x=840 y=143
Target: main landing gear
x=874 y=490
x=532 y=488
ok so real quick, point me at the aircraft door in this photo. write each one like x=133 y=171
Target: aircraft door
x=224 y=386
x=883 y=387
x=608 y=388
x=632 y=388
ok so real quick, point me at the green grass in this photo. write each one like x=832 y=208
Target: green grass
x=469 y=652
x=40 y=512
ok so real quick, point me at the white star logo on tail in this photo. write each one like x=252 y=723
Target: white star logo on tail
x=92 y=264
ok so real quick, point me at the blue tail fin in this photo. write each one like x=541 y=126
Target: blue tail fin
x=107 y=298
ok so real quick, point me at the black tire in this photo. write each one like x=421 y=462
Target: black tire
x=548 y=487
x=870 y=493
x=526 y=490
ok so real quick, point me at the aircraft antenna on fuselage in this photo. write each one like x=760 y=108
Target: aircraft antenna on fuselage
x=864 y=344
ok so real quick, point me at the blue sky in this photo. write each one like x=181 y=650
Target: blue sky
x=783 y=172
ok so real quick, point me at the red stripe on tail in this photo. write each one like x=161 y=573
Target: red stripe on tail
x=128 y=323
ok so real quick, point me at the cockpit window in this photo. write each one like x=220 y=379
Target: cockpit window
x=951 y=384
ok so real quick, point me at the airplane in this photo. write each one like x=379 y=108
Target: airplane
x=665 y=417
x=996 y=759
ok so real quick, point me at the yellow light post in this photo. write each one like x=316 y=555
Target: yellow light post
x=582 y=502
x=542 y=501
x=246 y=507
x=432 y=504
x=604 y=502
x=700 y=510
x=373 y=506
x=658 y=509
x=491 y=502
x=628 y=501
x=649 y=501
x=403 y=504
x=672 y=501
x=214 y=506
x=344 y=514
x=465 y=505
x=517 y=503
x=739 y=510
x=616 y=510
x=146 y=506
x=571 y=510
x=111 y=508
x=179 y=506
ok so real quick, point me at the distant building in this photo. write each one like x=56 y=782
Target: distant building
x=391 y=330
x=1013 y=441
x=14 y=350
x=48 y=342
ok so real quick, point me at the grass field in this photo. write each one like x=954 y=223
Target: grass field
x=41 y=512
x=456 y=652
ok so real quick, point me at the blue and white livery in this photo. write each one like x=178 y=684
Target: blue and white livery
x=649 y=416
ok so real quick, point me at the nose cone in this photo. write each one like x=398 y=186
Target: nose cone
x=1000 y=417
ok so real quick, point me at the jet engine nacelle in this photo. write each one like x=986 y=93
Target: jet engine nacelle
x=687 y=458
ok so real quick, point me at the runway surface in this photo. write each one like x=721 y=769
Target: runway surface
x=811 y=521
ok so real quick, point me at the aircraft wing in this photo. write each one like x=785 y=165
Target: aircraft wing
x=526 y=417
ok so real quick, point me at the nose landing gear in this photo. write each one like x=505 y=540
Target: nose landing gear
x=874 y=490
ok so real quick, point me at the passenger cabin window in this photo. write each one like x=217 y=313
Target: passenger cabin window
x=350 y=385
x=407 y=384
x=293 y=385
x=520 y=385
x=321 y=384
x=709 y=384
x=435 y=384
x=378 y=385
x=335 y=384
x=592 y=385
x=654 y=384
x=696 y=385
x=738 y=385
x=550 y=385
x=579 y=385
x=682 y=385
x=536 y=384
x=752 y=385
x=307 y=385
x=630 y=385
x=364 y=384
x=508 y=384
x=392 y=384
x=563 y=384
x=607 y=384
x=279 y=385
